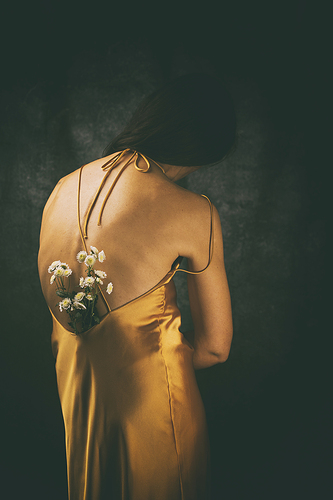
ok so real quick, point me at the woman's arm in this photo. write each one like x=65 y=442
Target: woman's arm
x=210 y=302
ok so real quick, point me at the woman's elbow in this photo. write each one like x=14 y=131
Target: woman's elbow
x=221 y=356
x=221 y=350
x=210 y=352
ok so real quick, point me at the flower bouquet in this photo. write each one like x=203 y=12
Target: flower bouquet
x=81 y=306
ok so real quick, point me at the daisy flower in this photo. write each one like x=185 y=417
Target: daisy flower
x=65 y=304
x=101 y=256
x=59 y=272
x=101 y=274
x=78 y=305
x=90 y=260
x=94 y=251
x=79 y=296
x=89 y=281
x=54 y=265
x=81 y=256
x=73 y=302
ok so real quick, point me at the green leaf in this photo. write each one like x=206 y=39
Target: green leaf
x=78 y=315
x=96 y=319
x=60 y=293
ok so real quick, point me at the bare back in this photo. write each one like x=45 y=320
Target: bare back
x=147 y=223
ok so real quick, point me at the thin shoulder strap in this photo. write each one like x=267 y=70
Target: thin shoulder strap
x=211 y=242
x=81 y=233
x=78 y=208
x=107 y=167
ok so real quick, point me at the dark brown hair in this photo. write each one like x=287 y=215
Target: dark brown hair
x=189 y=122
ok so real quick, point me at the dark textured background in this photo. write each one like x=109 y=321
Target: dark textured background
x=71 y=79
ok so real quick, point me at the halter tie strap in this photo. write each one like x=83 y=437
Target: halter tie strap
x=107 y=168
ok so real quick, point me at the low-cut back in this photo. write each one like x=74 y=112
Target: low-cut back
x=134 y=420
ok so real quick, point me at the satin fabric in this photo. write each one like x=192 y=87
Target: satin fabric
x=134 y=418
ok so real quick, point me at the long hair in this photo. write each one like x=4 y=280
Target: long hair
x=188 y=122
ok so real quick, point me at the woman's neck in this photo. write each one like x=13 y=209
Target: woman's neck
x=175 y=173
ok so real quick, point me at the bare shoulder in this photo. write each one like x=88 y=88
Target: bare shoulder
x=65 y=182
x=197 y=209
x=188 y=202
x=194 y=218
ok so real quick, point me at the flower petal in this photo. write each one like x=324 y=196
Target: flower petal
x=81 y=256
x=90 y=260
x=101 y=256
x=94 y=251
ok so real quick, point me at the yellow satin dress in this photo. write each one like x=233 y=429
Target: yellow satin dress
x=134 y=419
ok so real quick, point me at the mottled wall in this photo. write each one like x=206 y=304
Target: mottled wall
x=63 y=98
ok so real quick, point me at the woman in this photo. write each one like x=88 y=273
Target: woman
x=134 y=419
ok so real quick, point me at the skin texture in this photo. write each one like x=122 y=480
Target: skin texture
x=147 y=223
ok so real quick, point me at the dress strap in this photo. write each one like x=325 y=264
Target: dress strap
x=108 y=167
x=211 y=242
x=82 y=236
x=78 y=208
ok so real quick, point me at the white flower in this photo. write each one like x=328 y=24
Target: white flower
x=65 y=304
x=98 y=280
x=79 y=296
x=90 y=260
x=64 y=265
x=81 y=282
x=89 y=296
x=59 y=272
x=109 y=288
x=94 y=251
x=79 y=305
x=101 y=256
x=54 y=265
x=52 y=279
x=101 y=274
x=67 y=272
x=89 y=281
x=81 y=256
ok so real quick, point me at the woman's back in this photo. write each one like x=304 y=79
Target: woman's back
x=147 y=222
x=134 y=419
